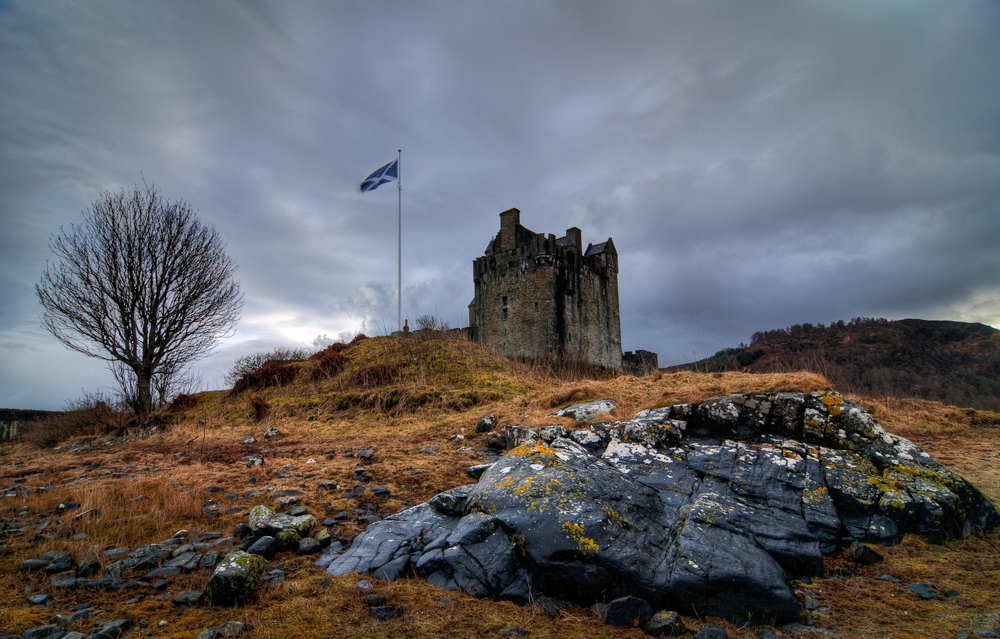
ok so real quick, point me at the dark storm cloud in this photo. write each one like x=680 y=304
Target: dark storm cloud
x=758 y=164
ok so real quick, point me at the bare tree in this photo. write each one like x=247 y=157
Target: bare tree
x=140 y=283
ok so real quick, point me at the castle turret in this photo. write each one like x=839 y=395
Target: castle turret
x=539 y=297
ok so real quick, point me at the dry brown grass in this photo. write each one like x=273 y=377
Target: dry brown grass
x=444 y=386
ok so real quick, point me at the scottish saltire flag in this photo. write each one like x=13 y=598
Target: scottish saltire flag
x=387 y=173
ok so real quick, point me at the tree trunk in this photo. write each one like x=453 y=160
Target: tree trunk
x=144 y=396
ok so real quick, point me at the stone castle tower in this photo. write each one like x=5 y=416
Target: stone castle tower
x=541 y=297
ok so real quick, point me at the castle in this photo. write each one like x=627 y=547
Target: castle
x=543 y=297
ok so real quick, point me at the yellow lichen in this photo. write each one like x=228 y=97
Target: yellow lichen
x=583 y=543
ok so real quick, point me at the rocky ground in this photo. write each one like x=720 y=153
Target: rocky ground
x=185 y=533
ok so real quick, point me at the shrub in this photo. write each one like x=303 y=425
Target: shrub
x=329 y=363
x=90 y=416
x=376 y=375
x=336 y=347
x=250 y=363
x=183 y=402
x=259 y=408
x=271 y=374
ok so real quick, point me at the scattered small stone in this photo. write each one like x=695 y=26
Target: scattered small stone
x=385 y=613
x=274 y=577
x=88 y=568
x=711 y=631
x=486 y=423
x=373 y=600
x=213 y=489
x=364 y=585
x=273 y=433
x=863 y=555
x=381 y=493
x=32 y=565
x=514 y=631
x=927 y=592
x=40 y=600
x=328 y=485
x=298 y=510
x=48 y=631
x=187 y=598
x=664 y=623
x=309 y=546
x=266 y=546
x=365 y=453
x=253 y=460
x=628 y=612
x=890 y=579
x=445 y=601
x=429 y=450
x=248 y=440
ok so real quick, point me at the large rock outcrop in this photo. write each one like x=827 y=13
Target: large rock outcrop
x=708 y=507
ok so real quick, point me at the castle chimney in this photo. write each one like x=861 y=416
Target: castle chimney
x=508 y=229
x=576 y=237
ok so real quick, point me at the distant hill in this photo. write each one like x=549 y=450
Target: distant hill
x=956 y=363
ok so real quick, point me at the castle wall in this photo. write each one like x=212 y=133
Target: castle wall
x=541 y=297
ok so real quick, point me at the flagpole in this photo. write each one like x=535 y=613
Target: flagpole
x=399 y=241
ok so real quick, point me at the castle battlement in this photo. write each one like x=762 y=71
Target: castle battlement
x=538 y=296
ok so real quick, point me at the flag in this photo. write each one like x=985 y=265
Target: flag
x=387 y=173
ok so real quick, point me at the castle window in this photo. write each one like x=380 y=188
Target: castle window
x=503 y=304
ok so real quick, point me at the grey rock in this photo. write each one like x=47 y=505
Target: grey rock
x=486 y=423
x=711 y=632
x=32 y=565
x=264 y=521
x=309 y=546
x=587 y=411
x=87 y=569
x=385 y=613
x=373 y=600
x=235 y=578
x=248 y=440
x=49 y=631
x=59 y=561
x=265 y=546
x=628 y=612
x=40 y=600
x=664 y=623
x=864 y=555
x=274 y=577
x=742 y=490
x=925 y=591
x=187 y=598
x=477 y=471
x=514 y=631
x=273 y=433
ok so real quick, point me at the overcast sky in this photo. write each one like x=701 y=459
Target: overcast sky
x=758 y=164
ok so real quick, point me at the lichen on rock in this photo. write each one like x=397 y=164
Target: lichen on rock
x=712 y=507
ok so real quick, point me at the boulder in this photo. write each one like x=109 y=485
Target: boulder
x=665 y=623
x=234 y=579
x=587 y=411
x=264 y=521
x=709 y=507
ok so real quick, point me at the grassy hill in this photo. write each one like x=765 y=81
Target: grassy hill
x=415 y=403
x=955 y=363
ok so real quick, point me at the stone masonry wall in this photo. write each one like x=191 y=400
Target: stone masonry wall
x=539 y=296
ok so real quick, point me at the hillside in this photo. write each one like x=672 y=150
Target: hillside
x=956 y=363
x=405 y=411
